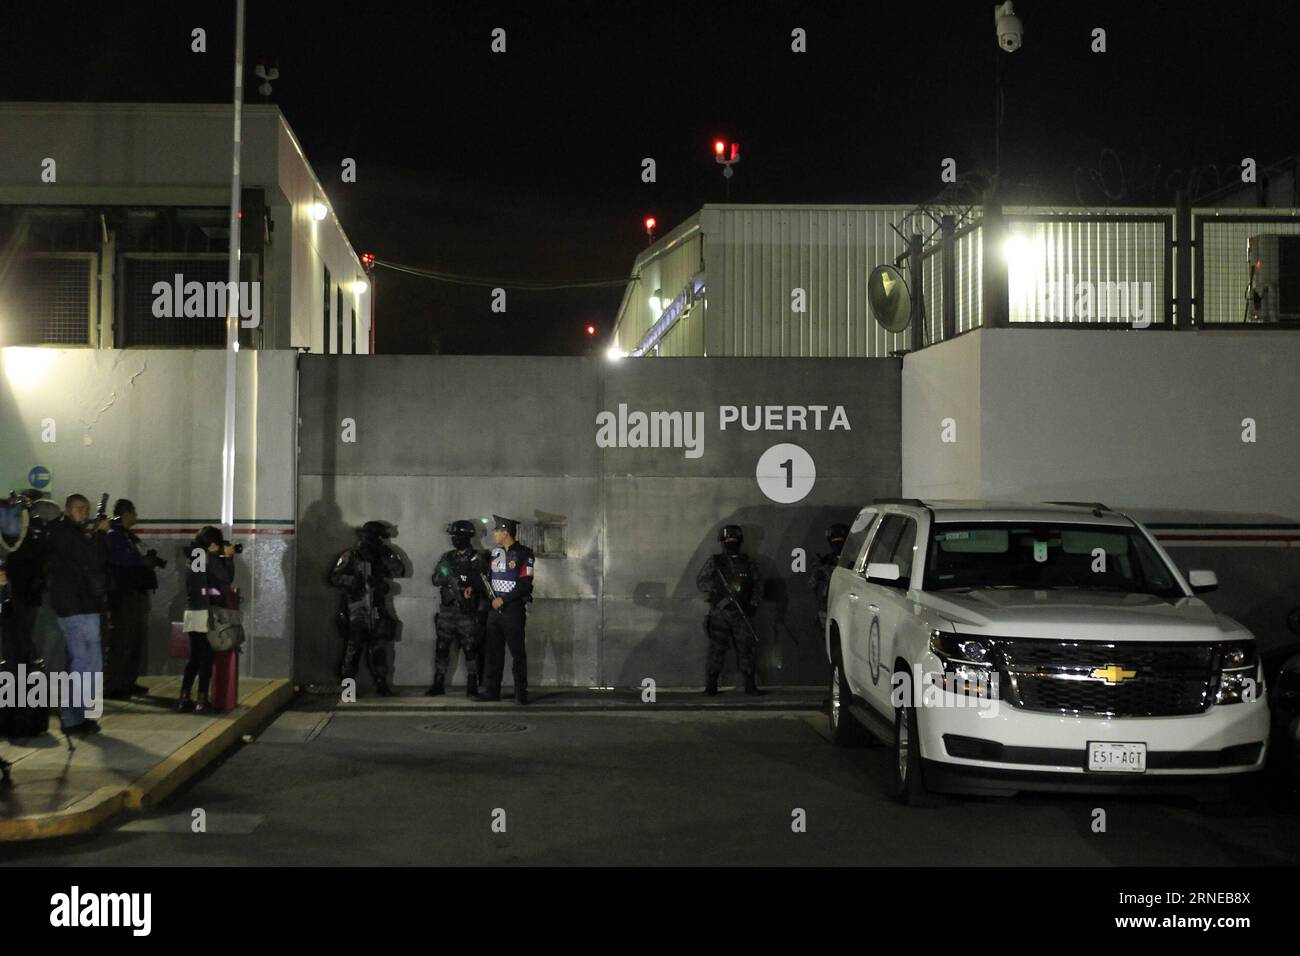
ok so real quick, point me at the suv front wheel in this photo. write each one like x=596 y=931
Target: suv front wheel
x=844 y=727
x=909 y=782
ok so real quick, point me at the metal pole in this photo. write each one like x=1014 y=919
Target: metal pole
x=916 y=266
x=1184 y=250
x=232 y=299
x=948 y=227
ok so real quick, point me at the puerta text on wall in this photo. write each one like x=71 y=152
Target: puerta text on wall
x=785 y=471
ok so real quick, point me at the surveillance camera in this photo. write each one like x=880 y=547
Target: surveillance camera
x=1011 y=31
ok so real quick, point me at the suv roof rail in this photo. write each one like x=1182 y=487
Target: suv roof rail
x=913 y=502
x=1096 y=506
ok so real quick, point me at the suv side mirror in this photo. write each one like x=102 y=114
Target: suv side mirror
x=1203 y=582
x=880 y=571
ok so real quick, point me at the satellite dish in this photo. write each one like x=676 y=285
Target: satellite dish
x=889 y=298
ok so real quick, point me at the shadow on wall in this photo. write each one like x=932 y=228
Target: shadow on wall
x=790 y=646
x=555 y=643
x=323 y=535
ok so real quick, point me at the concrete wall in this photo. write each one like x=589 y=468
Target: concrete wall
x=440 y=438
x=1150 y=417
x=1148 y=421
x=148 y=425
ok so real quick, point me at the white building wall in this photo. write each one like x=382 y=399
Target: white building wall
x=180 y=154
x=148 y=425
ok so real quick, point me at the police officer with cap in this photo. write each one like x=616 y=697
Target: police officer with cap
x=820 y=579
x=362 y=573
x=512 y=589
x=734 y=587
x=465 y=603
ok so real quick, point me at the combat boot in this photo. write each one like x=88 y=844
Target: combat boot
x=471 y=686
x=438 y=686
x=521 y=697
x=382 y=688
x=751 y=686
x=711 y=688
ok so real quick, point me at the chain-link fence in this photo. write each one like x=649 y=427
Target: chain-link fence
x=1223 y=266
x=148 y=318
x=49 y=299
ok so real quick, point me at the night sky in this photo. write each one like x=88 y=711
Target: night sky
x=527 y=165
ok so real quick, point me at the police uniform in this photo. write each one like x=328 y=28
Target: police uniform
x=362 y=574
x=511 y=572
x=460 y=619
x=732 y=581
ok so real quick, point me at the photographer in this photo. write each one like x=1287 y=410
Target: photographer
x=133 y=579
x=25 y=519
x=77 y=572
x=208 y=579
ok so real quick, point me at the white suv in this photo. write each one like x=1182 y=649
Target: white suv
x=1007 y=647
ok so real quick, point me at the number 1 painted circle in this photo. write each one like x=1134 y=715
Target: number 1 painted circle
x=786 y=473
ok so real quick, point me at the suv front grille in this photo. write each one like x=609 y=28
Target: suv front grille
x=1105 y=679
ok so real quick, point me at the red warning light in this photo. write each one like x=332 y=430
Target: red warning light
x=591 y=330
x=719 y=147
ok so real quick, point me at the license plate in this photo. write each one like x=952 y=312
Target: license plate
x=1107 y=757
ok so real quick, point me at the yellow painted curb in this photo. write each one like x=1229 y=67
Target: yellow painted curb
x=88 y=812
x=163 y=779
x=159 y=781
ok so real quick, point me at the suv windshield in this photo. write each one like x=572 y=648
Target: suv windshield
x=1044 y=555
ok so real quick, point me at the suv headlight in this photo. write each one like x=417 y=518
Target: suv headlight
x=1239 y=677
x=969 y=664
x=961 y=649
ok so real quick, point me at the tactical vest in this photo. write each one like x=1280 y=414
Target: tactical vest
x=739 y=573
x=465 y=571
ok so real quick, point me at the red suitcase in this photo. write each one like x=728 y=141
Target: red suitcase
x=225 y=681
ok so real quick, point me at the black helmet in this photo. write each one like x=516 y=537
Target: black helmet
x=837 y=532
x=463 y=526
x=376 y=529
x=731 y=531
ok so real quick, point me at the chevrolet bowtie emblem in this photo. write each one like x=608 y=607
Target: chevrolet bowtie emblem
x=1113 y=674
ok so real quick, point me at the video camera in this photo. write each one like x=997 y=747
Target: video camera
x=23 y=516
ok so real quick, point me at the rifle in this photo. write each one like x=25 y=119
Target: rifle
x=732 y=598
x=487 y=583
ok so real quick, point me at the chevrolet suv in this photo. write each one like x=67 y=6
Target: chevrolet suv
x=1008 y=647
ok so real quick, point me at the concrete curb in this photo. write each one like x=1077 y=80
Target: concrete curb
x=161 y=780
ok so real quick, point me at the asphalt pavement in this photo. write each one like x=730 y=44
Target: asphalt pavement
x=406 y=781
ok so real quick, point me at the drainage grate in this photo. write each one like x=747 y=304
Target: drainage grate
x=473 y=725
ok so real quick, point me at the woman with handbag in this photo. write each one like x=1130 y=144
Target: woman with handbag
x=206 y=588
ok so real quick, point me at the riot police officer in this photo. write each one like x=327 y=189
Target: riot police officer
x=362 y=573
x=734 y=587
x=512 y=589
x=462 y=616
x=820 y=579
